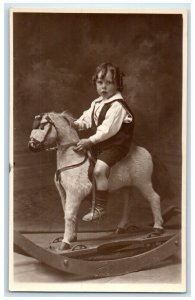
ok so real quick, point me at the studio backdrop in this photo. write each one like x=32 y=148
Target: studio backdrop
x=54 y=58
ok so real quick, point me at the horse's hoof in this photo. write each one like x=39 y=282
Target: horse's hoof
x=60 y=239
x=63 y=246
x=74 y=239
x=156 y=232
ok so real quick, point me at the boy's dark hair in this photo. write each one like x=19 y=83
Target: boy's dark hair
x=117 y=75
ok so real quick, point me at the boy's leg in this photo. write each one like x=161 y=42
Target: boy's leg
x=101 y=174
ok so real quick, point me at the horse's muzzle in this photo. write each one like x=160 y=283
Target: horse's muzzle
x=34 y=145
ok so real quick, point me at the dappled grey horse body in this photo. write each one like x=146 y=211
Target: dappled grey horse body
x=74 y=185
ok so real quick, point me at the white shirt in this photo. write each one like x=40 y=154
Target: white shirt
x=114 y=118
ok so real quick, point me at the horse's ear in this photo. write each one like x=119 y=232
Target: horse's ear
x=65 y=116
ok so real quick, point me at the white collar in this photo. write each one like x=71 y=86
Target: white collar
x=114 y=97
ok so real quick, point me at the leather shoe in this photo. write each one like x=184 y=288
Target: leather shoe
x=95 y=214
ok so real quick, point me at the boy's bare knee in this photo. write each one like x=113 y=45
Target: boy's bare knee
x=99 y=172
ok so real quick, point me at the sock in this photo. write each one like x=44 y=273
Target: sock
x=101 y=197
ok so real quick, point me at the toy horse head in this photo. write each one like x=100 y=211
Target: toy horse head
x=43 y=134
x=51 y=129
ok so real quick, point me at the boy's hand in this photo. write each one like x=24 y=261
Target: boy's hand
x=75 y=125
x=83 y=144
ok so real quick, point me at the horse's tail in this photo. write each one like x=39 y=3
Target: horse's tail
x=161 y=179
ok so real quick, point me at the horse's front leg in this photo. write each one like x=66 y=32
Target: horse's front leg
x=72 y=205
x=61 y=192
x=70 y=210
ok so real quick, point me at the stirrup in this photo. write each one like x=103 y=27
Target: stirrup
x=96 y=214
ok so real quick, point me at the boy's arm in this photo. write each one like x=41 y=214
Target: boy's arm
x=111 y=125
x=84 y=122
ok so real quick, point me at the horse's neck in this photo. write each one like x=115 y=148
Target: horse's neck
x=67 y=157
x=67 y=135
x=67 y=140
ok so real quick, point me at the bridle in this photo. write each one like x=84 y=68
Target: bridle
x=36 y=145
x=41 y=145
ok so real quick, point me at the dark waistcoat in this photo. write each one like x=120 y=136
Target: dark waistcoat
x=123 y=137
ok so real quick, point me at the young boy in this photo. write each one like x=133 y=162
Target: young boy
x=111 y=126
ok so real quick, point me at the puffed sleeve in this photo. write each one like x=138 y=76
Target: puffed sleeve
x=84 y=122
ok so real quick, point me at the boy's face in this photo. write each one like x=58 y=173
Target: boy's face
x=106 y=87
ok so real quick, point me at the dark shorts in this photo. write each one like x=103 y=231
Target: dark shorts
x=111 y=155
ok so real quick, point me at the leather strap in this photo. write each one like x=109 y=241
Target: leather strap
x=59 y=171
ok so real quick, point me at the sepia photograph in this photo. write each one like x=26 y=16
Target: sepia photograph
x=98 y=102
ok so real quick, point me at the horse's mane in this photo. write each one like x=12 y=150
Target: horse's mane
x=63 y=116
x=68 y=116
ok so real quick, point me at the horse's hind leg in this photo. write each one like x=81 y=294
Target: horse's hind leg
x=154 y=201
x=124 y=221
x=125 y=213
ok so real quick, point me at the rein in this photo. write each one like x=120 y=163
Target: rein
x=59 y=171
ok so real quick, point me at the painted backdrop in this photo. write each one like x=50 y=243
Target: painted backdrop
x=55 y=55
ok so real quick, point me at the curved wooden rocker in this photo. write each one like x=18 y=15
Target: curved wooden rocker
x=107 y=256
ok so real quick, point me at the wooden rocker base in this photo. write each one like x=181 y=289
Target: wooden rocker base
x=105 y=257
